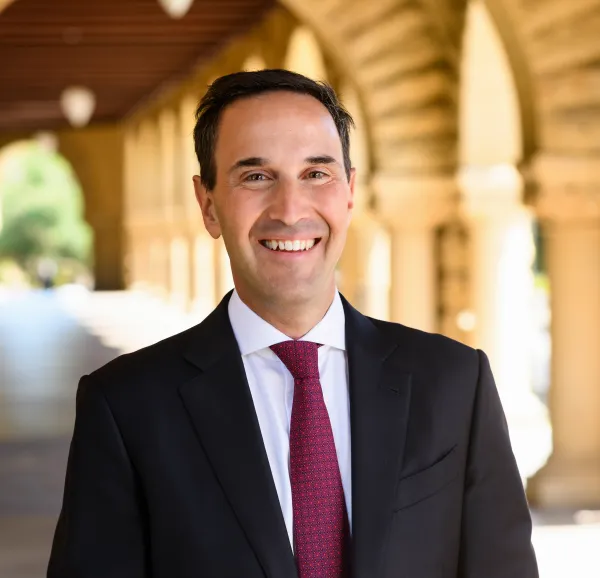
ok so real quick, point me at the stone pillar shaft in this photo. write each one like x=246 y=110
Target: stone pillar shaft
x=414 y=287
x=413 y=208
x=569 y=204
x=574 y=268
x=502 y=291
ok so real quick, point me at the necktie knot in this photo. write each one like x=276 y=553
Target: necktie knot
x=300 y=357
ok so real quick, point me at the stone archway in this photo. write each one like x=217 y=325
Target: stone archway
x=45 y=235
x=97 y=156
x=561 y=46
x=393 y=54
x=514 y=48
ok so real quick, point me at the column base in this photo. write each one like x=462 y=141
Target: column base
x=566 y=484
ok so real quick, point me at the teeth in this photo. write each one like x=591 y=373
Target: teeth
x=296 y=245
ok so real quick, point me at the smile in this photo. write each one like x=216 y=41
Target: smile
x=289 y=245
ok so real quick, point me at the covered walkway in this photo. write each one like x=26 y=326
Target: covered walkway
x=49 y=339
x=43 y=350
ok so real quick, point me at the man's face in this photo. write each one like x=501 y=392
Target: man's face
x=282 y=200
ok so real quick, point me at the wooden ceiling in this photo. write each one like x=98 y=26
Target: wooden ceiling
x=123 y=50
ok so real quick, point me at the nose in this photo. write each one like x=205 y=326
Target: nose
x=289 y=203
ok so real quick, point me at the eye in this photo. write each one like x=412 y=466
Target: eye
x=317 y=174
x=256 y=177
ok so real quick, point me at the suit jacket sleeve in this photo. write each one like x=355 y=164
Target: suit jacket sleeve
x=100 y=530
x=496 y=531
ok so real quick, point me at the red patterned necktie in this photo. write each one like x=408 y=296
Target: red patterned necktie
x=321 y=529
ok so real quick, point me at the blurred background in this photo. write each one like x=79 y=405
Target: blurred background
x=478 y=212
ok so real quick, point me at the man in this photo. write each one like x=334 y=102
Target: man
x=288 y=435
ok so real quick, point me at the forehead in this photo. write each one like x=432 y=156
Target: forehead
x=268 y=123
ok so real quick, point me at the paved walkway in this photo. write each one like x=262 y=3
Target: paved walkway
x=43 y=352
x=47 y=341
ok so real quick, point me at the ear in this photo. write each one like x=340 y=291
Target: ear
x=207 y=206
x=351 y=183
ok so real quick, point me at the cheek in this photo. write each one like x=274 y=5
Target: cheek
x=334 y=209
x=238 y=217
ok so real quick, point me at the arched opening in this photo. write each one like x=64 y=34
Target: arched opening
x=304 y=55
x=508 y=299
x=254 y=62
x=44 y=239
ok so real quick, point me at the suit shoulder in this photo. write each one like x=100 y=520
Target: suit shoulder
x=430 y=346
x=149 y=364
x=435 y=361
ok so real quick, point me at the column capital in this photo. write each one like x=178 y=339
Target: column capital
x=414 y=201
x=568 y=187
x=490 y=191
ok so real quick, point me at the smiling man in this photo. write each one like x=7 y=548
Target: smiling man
x=288 y=435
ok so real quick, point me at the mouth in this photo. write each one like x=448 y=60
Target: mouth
x=289 y=245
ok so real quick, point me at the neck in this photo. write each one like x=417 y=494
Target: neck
x=294 y=319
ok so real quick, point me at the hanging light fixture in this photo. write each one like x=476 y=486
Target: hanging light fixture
x=176 y=8
x=78 y=104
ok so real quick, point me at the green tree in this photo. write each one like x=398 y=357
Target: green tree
x=42 y=210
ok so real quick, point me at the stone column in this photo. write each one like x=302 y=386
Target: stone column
x=304 y=54
x=568 y=204
x=175 y=281
x=149 y=155
x=167 y=136
x=151 y=217
x=179 y=260
x=363 y=271
x=413 y=208
x=501 y=297
x=203 y=265
x=133 y=258
x=453 y=250
x=97 y=155
x=188 y=163
x=204 y=278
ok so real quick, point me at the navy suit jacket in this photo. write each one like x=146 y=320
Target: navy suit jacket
x=168 y=476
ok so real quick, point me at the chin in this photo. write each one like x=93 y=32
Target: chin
x=291 y=291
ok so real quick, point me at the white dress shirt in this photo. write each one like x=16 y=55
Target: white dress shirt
x=272 y=389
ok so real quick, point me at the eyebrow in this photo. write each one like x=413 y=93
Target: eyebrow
x=261 y=162
x=321 y=160
x=248 y=162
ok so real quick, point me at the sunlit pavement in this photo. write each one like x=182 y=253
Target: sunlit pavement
x=49 y=339
x=567 y=550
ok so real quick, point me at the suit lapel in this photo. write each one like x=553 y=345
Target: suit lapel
x=220 y=405
x=379 y=405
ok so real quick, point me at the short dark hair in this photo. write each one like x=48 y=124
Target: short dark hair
x=232 y=87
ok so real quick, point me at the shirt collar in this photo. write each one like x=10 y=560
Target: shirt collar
x=253 y=333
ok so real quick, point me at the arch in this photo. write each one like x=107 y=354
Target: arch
x=515 y=52
x=489 y=113
x=304 y=54
x=554 y=52
x=254 y=62
x=54 y=201
x=391 y=53
x=359 y=142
